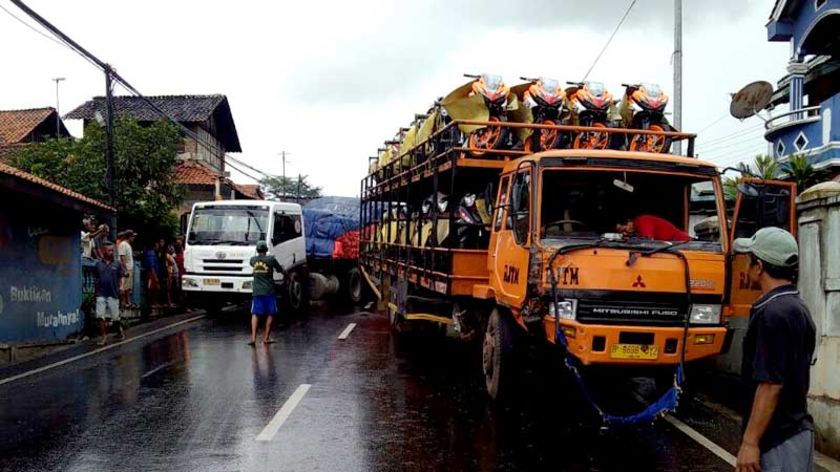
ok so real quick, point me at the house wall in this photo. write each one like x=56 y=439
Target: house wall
x=195 y=150
x=40 y=272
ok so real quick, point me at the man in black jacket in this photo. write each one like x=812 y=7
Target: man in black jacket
x=778 y=432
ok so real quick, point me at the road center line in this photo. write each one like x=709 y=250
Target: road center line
x=346 y=331
x=95 y=351
x=702 y=440
x=156 y=369
x=282 y=415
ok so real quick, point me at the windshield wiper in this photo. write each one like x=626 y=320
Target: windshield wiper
x=665 y=247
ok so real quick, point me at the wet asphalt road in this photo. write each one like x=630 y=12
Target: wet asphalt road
x=196 y=397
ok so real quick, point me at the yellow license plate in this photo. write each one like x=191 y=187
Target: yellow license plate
x=647 y=352
x=212 y=282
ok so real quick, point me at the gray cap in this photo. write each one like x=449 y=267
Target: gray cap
x=772 y=245
x=262 y=246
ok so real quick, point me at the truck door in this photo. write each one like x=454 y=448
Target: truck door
x=510 y=253
x=760 y=203
x=288 y=245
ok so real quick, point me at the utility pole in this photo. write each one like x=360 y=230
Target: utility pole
x=57 y=109
x=678 y=71
x=283 y=157
x=109 y=71
x=110 y=169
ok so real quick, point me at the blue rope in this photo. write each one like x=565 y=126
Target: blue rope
x=664 y=404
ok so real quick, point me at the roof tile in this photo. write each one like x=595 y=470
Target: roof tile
x=15 y=125
x=17 y=173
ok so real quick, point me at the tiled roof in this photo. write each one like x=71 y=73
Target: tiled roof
x=15 y=125
x=6 y=169
x=183 y=108
x=250 y=190
x=193 y=173
x=6 y=151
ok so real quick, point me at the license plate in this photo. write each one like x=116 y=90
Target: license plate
x=212 y=281
x=648 y=352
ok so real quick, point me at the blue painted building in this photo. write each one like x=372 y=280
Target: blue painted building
x=812 y=87
x=40 y=257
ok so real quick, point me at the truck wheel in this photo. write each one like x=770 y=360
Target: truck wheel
x=498 y=356
x=353 y=286
x=296 y=293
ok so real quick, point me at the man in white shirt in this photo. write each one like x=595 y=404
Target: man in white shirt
x=126 y=254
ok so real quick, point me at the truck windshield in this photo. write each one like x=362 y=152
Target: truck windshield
x=648 y=208
x=232 y=225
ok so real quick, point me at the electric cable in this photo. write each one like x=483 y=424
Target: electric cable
x=607 y=44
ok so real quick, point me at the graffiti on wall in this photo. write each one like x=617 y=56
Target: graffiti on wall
x=40 y=277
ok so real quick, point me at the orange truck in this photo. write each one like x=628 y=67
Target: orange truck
x=553 y=267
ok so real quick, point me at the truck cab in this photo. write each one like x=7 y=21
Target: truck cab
x=221 y=239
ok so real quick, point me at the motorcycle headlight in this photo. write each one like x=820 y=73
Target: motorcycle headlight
x=442 y=204
x=469 y=199
x=705 y=314
x=567 y=309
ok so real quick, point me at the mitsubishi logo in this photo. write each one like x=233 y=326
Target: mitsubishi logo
x=639 y=283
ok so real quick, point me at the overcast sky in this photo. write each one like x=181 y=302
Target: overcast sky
x=328 y=81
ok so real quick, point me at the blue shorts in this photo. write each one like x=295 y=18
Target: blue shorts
x=262 y=305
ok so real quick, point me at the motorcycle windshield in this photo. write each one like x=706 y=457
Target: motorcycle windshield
x=550 y=86
x=597 y=89
x=492 y=82
x=652 y=90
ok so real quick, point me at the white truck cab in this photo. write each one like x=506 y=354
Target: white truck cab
x=221 y=239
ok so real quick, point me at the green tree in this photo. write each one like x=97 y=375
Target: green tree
x=144 y=158
x=799 y=169
x=278 y=187
x=766 y=167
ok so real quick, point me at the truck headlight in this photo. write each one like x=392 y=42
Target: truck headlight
x=188 y=282
x=566 y=308
x=247 y=285
x=705 y=314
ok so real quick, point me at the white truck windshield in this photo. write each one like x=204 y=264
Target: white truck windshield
x=228 y=225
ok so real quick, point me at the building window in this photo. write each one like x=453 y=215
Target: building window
x=801 y=142
x=819 y=4
x=780 y=149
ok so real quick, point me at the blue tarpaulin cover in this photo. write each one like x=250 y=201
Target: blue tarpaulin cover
x=327 y=219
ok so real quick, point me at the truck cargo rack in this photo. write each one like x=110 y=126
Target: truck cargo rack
x=391 y=197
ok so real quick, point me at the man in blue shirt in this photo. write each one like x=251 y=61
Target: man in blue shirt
x=110 y=273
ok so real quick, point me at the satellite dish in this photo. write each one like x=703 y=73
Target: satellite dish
x=751 y=99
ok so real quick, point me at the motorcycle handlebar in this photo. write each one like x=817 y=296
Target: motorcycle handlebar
x=529 y=79
x=472 y=76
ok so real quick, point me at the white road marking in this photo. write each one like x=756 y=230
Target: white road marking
x=346 y=331
x=95 y=351
x=157 y=369
x=282 y=415
x=702 y=440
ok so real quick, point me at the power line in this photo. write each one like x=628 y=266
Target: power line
x=717 y=149
x=617 y=27
x=729 y=137
x=718 y=120
x=24 y=23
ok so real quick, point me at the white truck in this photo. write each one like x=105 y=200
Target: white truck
x=221 y=239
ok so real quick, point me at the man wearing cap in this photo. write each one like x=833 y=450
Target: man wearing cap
x=264 y=303
x=778 y=432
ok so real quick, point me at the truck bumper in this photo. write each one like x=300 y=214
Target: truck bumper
x=196 y=284
x=603 y=344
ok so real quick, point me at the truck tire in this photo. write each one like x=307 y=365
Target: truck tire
x=296 y=292
x=354 y=286
x=498 y=357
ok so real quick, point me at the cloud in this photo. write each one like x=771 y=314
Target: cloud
x=400 y=48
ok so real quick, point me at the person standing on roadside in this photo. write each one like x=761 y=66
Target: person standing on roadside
x=778 y=432
x=150 y=263
x=264 y=301
x=109 y=274
x=126 y=253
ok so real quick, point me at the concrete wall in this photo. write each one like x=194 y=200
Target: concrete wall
x=819 y=239
x=40 y=272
